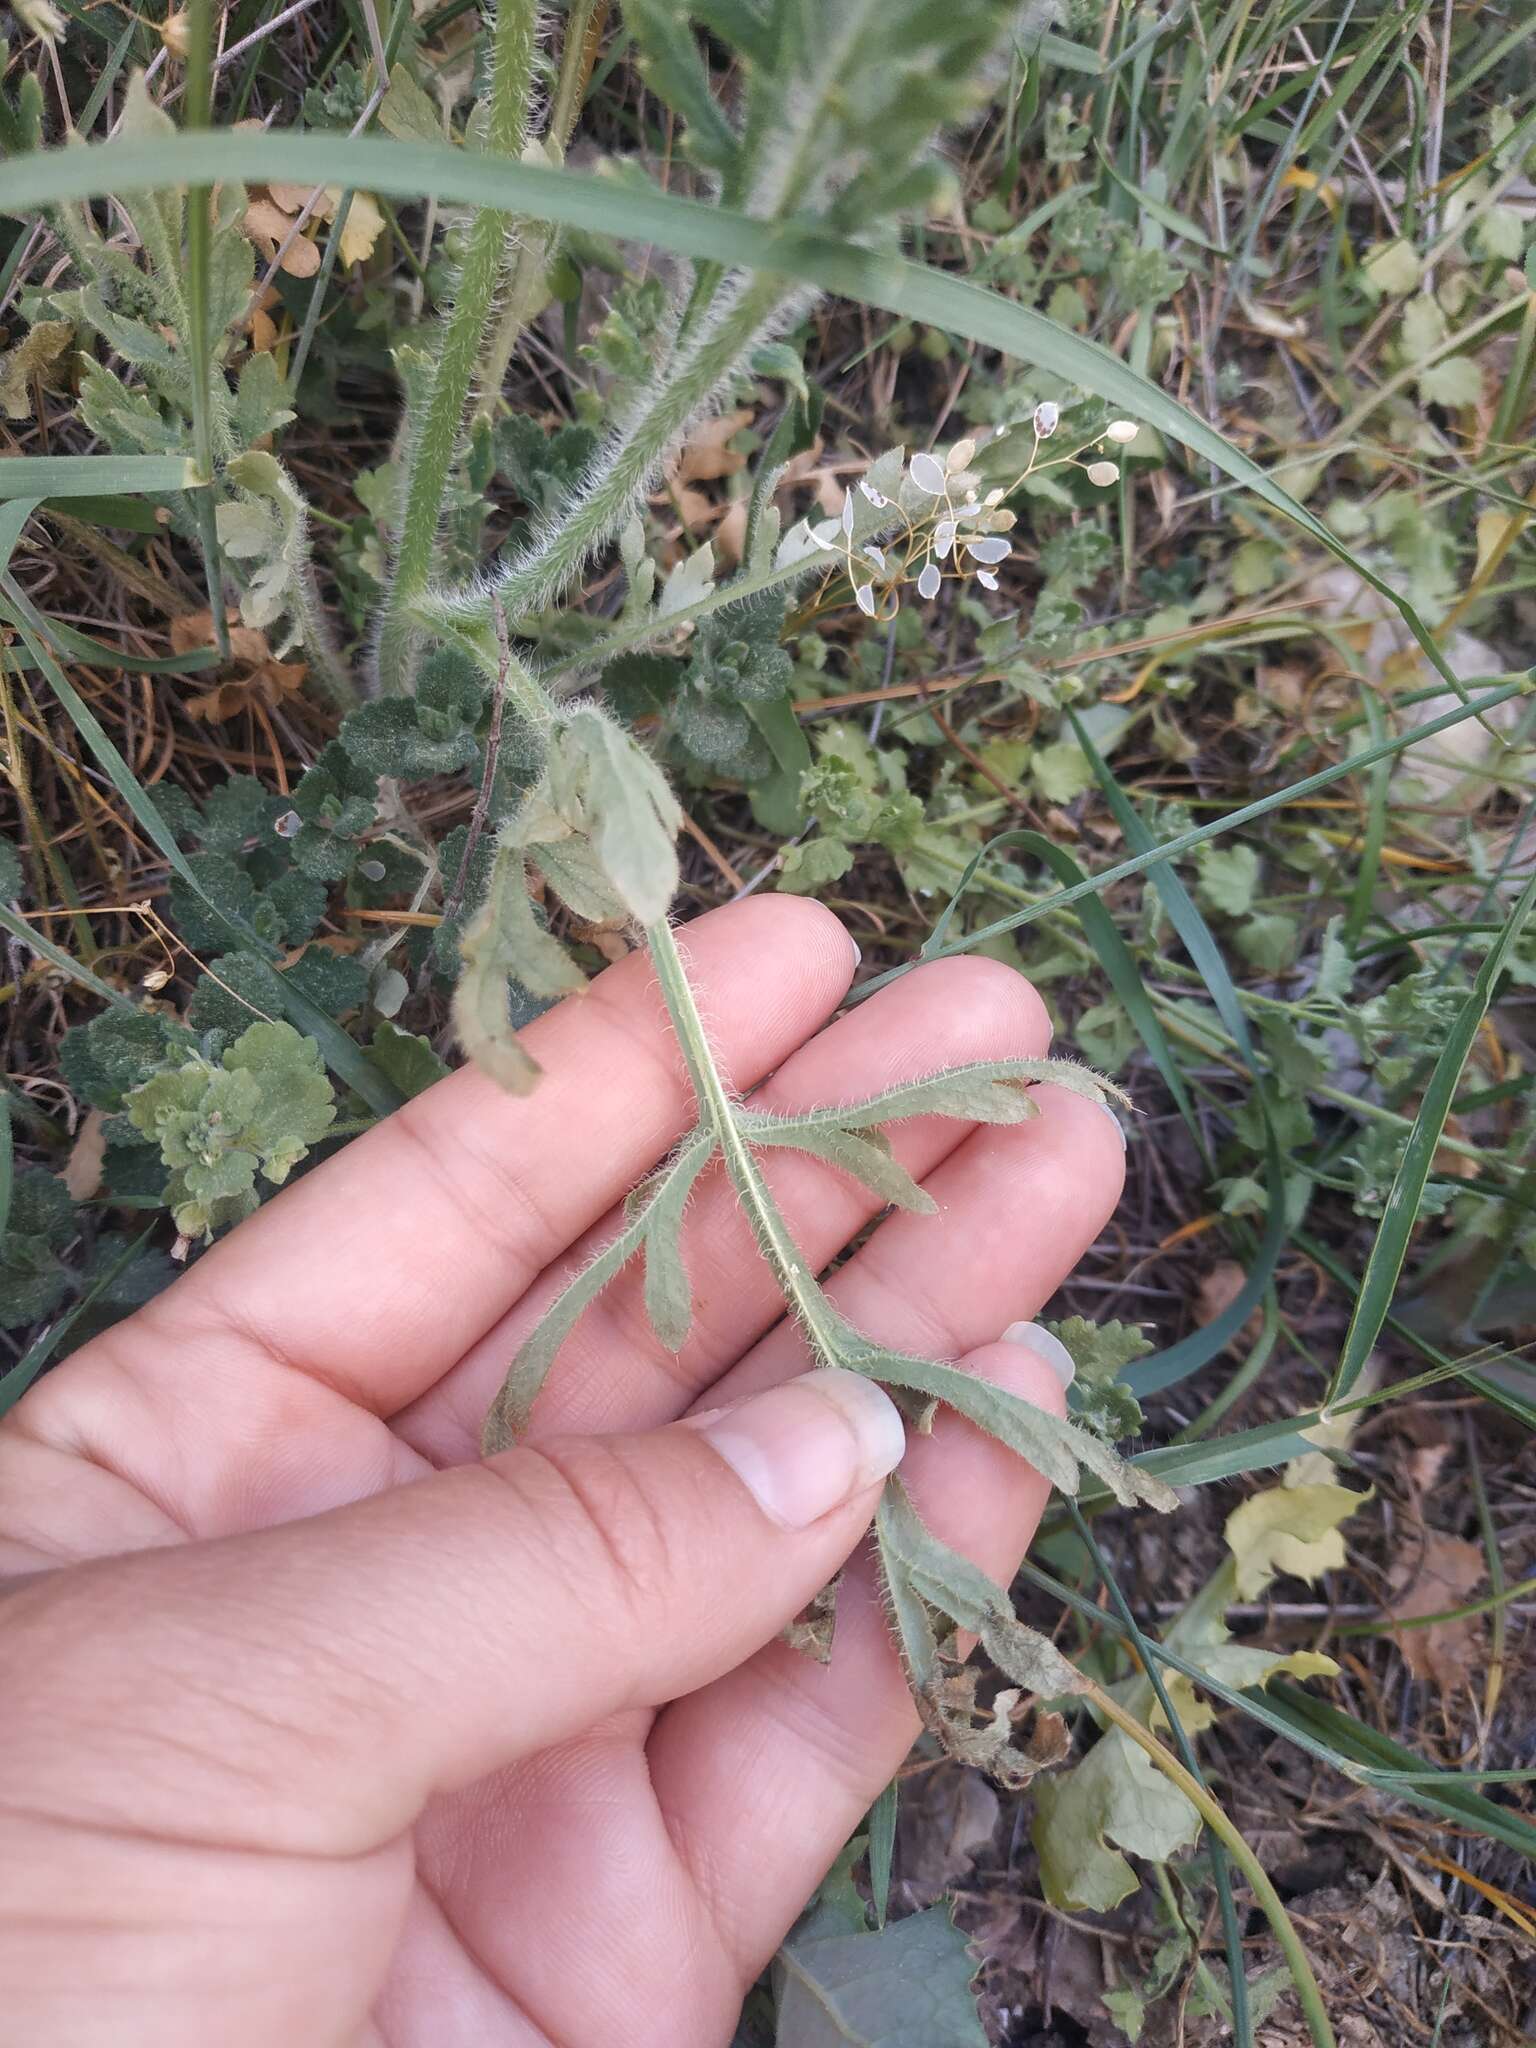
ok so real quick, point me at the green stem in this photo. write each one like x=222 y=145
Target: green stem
x=605 y=504
x=540 y=241
x=801 y=1288
x=198 y=101
x=433 y=441
x=1307 y=1990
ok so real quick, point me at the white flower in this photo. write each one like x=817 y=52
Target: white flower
x=873 y=554
x=864 y=598
x=1047 y=418
x=986 y=579
x=927 y=475
x=988 y=551
x=928 y=582
x=1123 y=431
x=959 y=457
x=848 y=512
x=828 y=535
x=1103 y=473
x=943 y=538
x=876 y=498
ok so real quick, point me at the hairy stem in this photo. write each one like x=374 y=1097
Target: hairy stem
x=540 y=240
x=605 y=504
x=802 y=1290
x=434 y=440
x=199 y=340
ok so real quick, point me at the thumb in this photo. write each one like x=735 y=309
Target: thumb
x=308 y=1688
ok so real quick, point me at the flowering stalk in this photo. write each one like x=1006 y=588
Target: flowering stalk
x=539 y=239
x=740 y=316
x=432 y=442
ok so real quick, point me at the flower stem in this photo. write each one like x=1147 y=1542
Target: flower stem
x=604 y=505
x=200 y=341
x=540 y=240
x=434 y=440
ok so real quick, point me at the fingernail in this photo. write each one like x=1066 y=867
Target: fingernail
x=1035 y=1337
x=858 y=951
x=803 y=1448
x=1119 y=1127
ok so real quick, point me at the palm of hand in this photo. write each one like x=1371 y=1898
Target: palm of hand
x=628 y=1881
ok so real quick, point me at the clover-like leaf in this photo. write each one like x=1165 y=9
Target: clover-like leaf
x=257 y=1111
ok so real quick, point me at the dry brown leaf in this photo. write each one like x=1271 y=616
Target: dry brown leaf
x=291 y=198
x=33 y=357
x=693 y=508
x=267 y=224
x=195 y=629
x=730 y=535
x=365 y=218
x=1282 y=685
x=82 y=1176
x=1424 y=1466
x=264 y=685
x=1443 y=1574
x=704 y=456
x=1218 y=1290
x=266 y=679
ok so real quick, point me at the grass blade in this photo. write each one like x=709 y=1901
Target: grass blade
x=1114 y=956
x=1185 y=842
x=1385 y=1264
x=1179 y=1360
x=93 y=476
x=688 y=228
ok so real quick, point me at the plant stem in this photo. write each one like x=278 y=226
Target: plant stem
x=539 y=240
x=199 y=340
x=433 y=441
x=801 y=1288
x=1307 y=1990
x=597 y=515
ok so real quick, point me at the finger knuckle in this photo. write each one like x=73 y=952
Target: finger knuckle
x=620 y=1549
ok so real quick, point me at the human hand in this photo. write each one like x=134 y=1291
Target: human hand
x=318 y=1730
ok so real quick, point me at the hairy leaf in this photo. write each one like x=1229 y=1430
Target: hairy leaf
x=1055 y=1448
x=986 y=1091
x=867 y=1159
x=509 y=1413
x=505 y=941
x=668 y=1292
x=257 y=1111
x=635 y=818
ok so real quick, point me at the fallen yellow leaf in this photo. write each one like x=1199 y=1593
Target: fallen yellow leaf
x=1288 y=1529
